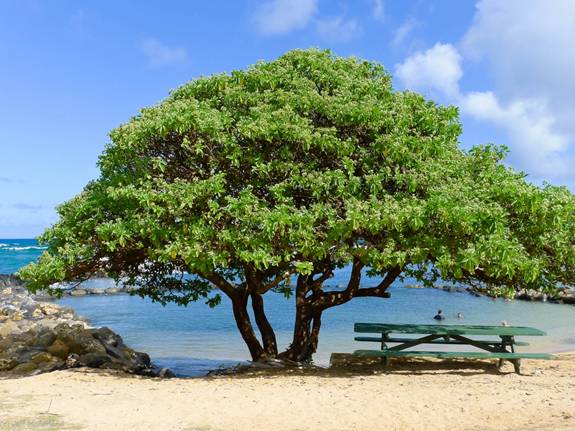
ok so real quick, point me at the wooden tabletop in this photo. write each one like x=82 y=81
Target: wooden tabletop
x=446 y=329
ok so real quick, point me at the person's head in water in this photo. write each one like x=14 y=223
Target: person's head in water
x=460 y=315
x=439 y=315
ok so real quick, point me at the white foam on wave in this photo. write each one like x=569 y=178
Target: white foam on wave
x=30 y=247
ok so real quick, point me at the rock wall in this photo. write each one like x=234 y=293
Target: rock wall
x=565 y=295
x=38 y=336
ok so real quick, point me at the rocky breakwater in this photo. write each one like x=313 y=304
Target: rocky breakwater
x=564 y=295
x=38 y=336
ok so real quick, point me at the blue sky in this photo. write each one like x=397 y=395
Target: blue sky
x=70 y=71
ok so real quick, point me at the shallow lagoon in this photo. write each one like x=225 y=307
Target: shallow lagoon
x=196 y=339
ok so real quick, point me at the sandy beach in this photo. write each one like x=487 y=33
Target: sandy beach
x=419 y=396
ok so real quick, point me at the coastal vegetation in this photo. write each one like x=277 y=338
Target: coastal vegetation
x=272 y=177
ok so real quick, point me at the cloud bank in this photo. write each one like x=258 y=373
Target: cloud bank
x=527 y=47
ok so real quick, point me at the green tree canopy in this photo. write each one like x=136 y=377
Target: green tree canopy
x=290 y=169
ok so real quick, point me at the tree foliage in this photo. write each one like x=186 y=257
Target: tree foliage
x=290 y=169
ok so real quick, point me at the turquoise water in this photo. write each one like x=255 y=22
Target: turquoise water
x=15 y=253
x=193 y=339
x=196 y=339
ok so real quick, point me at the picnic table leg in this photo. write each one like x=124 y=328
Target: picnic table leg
x=506 y=341
x=384 y=338
x=509 y=340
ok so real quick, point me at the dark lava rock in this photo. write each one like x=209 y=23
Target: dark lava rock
x=38 y=337
x=9 y=280
x=570 y=299
x=72 y=346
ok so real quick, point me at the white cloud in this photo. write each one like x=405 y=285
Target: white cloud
x=402 y=32
x=378 y=10
x=282 y=16
x=338 y=29
x=438 y=68
x=161 y=55
x=537 y=146
x=528 y=47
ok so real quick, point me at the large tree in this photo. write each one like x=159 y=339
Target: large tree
x=290 y=169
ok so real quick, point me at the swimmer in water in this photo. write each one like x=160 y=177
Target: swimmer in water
x=460 y=315
x=439 y=316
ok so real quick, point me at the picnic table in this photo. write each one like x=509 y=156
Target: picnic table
x=501 y=348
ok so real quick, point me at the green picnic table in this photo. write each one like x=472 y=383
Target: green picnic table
x=501 y=348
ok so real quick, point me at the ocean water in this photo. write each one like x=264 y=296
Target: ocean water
x=195 y=339
x=15 y=253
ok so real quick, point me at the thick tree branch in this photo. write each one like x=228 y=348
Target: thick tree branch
x=220 y=282
x=381 y=289
x=323 y=277
x=277 y=280
x=330 y=299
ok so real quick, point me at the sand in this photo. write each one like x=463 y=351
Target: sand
x=416 y=396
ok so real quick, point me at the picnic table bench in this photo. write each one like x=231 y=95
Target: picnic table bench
x=501 y=348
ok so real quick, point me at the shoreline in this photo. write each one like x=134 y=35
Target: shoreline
x=417 y=396
x=565 y=296
x=552 y=344
x=38 y=336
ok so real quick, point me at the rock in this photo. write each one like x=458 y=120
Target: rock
x=107 y=336
x=25 y=368
x=523 y=296
x=72 y=360
x=8 y=280
x=96 y=291
x=44 y=338
x=7 y=328
x=59 y=349
x=50 y=309
x=78 y=339
x=93 y=360
x=6 y=364
x=38 y=337
x=112 y=290
x=78 y=292
x=9 y=310
x=43 y=357
x=166 y=373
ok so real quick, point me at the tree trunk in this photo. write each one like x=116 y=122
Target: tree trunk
x=239 y=303
x=311 y=301
x=305 y=335
x=266 y=330
x=307 y=324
